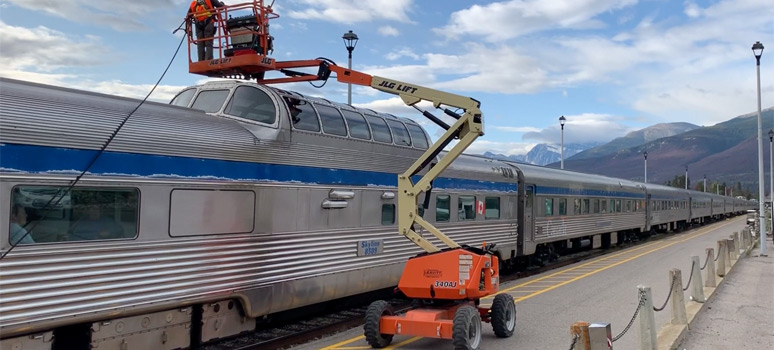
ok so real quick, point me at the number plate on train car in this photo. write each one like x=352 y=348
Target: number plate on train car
x=371 y=247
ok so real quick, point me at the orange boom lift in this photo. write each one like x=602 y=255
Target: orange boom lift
x=446 y=284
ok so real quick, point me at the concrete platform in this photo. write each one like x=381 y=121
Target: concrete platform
x=740 y=315
x=598 y=290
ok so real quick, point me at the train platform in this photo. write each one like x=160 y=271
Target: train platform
x=740 y=315
x=603 y=289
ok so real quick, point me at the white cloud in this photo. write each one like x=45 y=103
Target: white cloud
x=480 y=146
x=388 y=31
x=582 y=128
x=509 y=19
x=516 y=128
x=351 y=11
x=43 y=50
x=691 y=10
x=119 y=15
x=402 y=52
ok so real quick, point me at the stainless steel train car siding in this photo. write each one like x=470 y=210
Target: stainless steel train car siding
x=256 y=194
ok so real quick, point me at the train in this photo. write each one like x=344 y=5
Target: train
x=237 y=201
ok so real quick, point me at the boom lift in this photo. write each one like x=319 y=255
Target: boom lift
x=447 y=284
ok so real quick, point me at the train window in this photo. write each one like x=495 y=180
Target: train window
x=302 y=115
x=332 y=121
x=83 y=214
x=442 y=208
x=586 y=206
x=210 y=101
x=380 y=129
x=252 y=104
x=549 y=206
x=358 y=128
x=183 y=98
x=596 y=206
x=576 y=206
x=388 y=214
x=401 y=134
x=492 y=208
x=611 y=206
x=618 y=206
x=562 y=206
x=216 y=212
x=604 y=206
x=628 y=206
x=466 y=206
x=417 y=136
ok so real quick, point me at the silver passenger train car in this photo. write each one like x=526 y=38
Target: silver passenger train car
x=237 y=201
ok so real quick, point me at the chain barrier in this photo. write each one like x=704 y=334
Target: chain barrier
x=693 y=263
x=705 y=261
x=637 y=311
x=574 y=340
x=669 y=295
x=716 y=258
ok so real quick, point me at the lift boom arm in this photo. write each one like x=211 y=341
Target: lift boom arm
x=467 y=128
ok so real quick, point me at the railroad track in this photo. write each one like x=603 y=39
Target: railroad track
x=304 y=329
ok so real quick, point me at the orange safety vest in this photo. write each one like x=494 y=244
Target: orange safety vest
x=201 y=12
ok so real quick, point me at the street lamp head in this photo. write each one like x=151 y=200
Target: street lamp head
x=562 y=119
x=757 y=49
x=771 y=135
x=350 y=40
x=645 y=154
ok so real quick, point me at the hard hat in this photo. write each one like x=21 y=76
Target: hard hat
x=200 y=2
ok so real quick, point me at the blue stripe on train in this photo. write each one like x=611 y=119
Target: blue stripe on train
x=41 y=159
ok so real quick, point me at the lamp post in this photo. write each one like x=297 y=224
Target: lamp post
x=705 y=183
x=350 y=41
x=646 y=165
x=686 y=177
x=771 y=175
x=757 y=49
x=562 y=119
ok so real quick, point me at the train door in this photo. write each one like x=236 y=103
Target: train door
x=648 y=212
x=529 y=194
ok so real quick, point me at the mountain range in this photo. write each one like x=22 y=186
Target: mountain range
x=725 y=153
x=545 y=153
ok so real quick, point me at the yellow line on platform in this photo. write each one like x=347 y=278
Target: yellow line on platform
x=672 y=241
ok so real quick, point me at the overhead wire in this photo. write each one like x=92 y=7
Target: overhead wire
x=94 y=159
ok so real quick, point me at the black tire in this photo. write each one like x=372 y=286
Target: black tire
x=373 y=316
x=503 y=315
x=466 y=329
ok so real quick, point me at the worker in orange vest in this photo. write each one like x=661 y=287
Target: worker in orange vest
x=203 y=14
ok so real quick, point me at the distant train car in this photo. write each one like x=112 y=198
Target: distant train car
x=237 y=201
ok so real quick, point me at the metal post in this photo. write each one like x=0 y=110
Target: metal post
x=721 y=268
x=600 y=336
x=771 y=179
x=349 y=86
x=648 y=338
x=686 y=177
x=646 y=166
x=761 y=212
x=711 y=279
x=697 y=287
x=561 y=123
x=678 y=301
x=705 y=183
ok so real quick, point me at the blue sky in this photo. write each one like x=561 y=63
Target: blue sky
x=608 y=66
